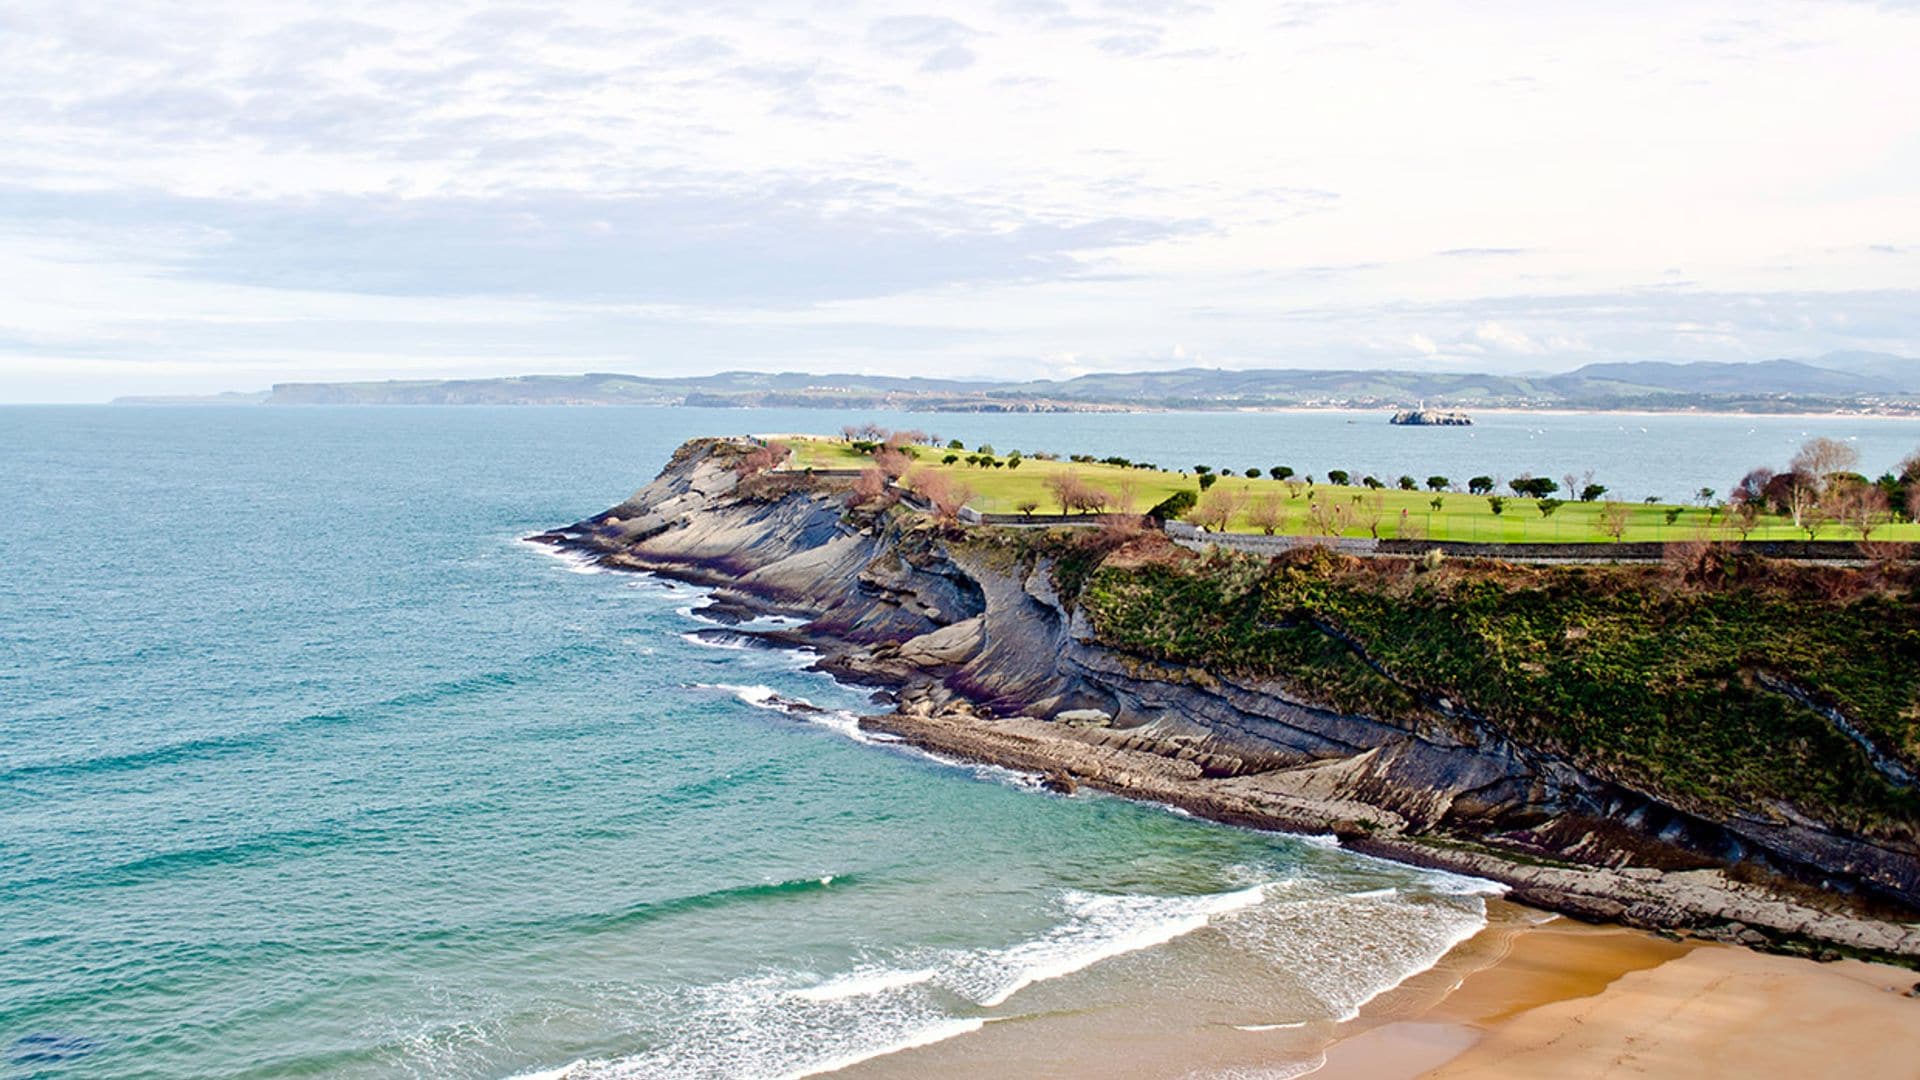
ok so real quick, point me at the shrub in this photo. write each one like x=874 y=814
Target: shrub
x=1496 y=504
x=1027 y=508
x=1174 y=506
x=1437 y=502
x=1215 y=510
x=1268 y=513
x=1207 y=480
x=950 y=459
x=1548 y=506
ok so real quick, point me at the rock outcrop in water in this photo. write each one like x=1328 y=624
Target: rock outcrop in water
x=988 y=660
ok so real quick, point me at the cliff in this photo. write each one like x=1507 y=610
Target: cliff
x=1609 y=747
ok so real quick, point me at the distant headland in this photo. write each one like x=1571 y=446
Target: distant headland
x=1858 y=383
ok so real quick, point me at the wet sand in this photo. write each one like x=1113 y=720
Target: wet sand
x=1532 y=995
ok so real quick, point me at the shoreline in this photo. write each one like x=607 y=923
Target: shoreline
x=1532 y=993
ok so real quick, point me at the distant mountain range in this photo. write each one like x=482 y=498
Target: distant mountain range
x=1862 y=381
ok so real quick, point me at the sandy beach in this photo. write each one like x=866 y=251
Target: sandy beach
x=1569 y=1000
x=1533 y=995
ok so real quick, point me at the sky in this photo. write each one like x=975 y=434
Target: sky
x=220 y=196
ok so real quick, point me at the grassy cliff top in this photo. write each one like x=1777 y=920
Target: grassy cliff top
x=1311 y=509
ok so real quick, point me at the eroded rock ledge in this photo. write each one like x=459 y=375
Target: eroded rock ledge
x=989 y=663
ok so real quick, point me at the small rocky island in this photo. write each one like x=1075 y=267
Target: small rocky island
x=1424 y=417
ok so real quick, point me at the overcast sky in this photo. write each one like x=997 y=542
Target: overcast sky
x=206 y=196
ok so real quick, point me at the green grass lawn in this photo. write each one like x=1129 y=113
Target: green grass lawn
x=1401 y=514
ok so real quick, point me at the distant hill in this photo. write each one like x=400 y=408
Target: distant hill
x=1838 y=380
x=1708 y=377
x=1899 y=372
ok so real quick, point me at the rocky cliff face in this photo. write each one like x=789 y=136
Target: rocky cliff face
x=987 y=660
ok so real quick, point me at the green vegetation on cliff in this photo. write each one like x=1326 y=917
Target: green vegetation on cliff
x=1694 y=691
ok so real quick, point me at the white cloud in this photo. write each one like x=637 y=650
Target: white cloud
x=1019 y=186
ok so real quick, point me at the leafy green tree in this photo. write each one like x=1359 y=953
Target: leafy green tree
x=1481 y=485
x=1207 y=480
x=1254 y=473
x=1548 y=506
x=1281 y=472
x=1175 y=506
x=1202 y=470
x=1338 y=476
x=1496 y=504
x=1592 y=492
x=950 y=459
x=1372 y=482
x=956 y=444
x=1408 y=483
x=1437 y=483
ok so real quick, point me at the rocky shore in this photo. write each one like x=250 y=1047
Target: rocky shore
x=987 y=662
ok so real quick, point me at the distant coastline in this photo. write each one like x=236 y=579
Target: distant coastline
x=1770 y=388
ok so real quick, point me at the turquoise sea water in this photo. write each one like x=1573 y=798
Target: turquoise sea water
x=310 y=767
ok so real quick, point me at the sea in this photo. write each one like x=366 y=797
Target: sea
x=311 y=766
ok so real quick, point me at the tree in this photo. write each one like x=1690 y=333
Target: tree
x=1480 y=485
x=1591 y=492
x=868 y=488
x=1813 y=468
x=1216 y=508
x=1127 y=496
x=1268 y=513
x=1281 y=472
x=1372 y=511
x=1027 y=507
x=1065 y=487
x=956 y=444
x=984 y=450
x=1338 y=476
x=1752 y=489
x=1408 y=483
x=1745 y=515
x=1864 y=507
x=1538 y=487
x=1437 y=502
x=1330 y=518
x=1202 y=470
x=1174 y=506
x=1092 y=500
x=1613 y=520
x=892 y=462
x=762 y=458
x=950 y=459
x=1548 y=506
x=1372 y=483
x=1496 y=504
x=1437 y=483
x=1207 y=480
x=1704 y=496
x=945 y=496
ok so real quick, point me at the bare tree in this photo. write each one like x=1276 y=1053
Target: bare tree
x=892 y=462
x=1027 y=508
x=946 y=496
x=1330 y=518
x=1216 y=508
x=868 y=488
x=1813 y=468
x=763 y=458
x=1372 y=511
x=1065 y=488
x=1613 y=520
x=1092 y=500
x=1268 y=513
x=1126 y=499
x=1864 y=507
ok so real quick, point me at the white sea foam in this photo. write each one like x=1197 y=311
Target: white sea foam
x=575 y=560
x=839 y=721
x=927 y=1036
x=1102 y=928
x=860 y=983
x=1271 y=1027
